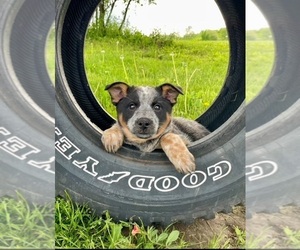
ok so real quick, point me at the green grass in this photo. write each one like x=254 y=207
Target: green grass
x=259 y=62
x=23 y=225
x=77 y=226
x=259 y=242
x=293 y=237
x=199 y=67
x=50 y=54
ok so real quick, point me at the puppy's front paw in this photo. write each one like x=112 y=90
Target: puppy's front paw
x=178 y=153
x=184 y=162
x=112 y=139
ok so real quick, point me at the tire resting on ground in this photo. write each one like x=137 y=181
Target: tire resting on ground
x=27 y=101
x=130 y=183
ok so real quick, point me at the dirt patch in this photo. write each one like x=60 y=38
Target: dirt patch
x=267 y=230
x=263 y=230
x=201 y=233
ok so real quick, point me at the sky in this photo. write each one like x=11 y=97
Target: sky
x=176 y=15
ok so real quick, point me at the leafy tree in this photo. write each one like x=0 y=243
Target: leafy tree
x=189 y=32
x=104 y=12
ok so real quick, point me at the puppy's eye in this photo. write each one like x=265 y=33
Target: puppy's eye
x=157 y=107
x=132 y=106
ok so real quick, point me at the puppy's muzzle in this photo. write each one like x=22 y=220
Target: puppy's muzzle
x=144 y=127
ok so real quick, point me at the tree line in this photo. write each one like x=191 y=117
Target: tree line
x=105 y=24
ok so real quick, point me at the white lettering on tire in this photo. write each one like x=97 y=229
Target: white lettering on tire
x=24 y=151
x=167 y=183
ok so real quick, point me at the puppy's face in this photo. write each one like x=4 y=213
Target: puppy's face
x=144 y=113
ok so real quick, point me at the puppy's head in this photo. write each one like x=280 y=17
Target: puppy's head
x=144 y=113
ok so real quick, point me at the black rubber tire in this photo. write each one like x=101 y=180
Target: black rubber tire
x=281 y=89
x=130 y=183
x=27 y=101
x=272 y=118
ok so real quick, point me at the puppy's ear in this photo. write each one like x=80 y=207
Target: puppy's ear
x=117 y=91
x=170 y=92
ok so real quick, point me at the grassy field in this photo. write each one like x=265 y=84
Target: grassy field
x=76 y=226
x=198 y=67
x=260 y=57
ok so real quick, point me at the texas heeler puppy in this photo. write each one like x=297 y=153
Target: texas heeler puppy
x=144 y=120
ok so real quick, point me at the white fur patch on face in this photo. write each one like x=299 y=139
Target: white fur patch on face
x=144 y=111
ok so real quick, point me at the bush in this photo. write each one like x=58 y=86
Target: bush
x=263 y=34
x=209 y=35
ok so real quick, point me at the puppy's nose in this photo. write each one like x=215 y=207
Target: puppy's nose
x=144 y=123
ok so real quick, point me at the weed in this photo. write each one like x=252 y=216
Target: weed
x=293 y=237
x=241 y=237
x=174 y=68
x=218 y=241
x=259 y=241
x=124 y=68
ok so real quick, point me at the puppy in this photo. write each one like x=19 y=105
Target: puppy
x=144 y=119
